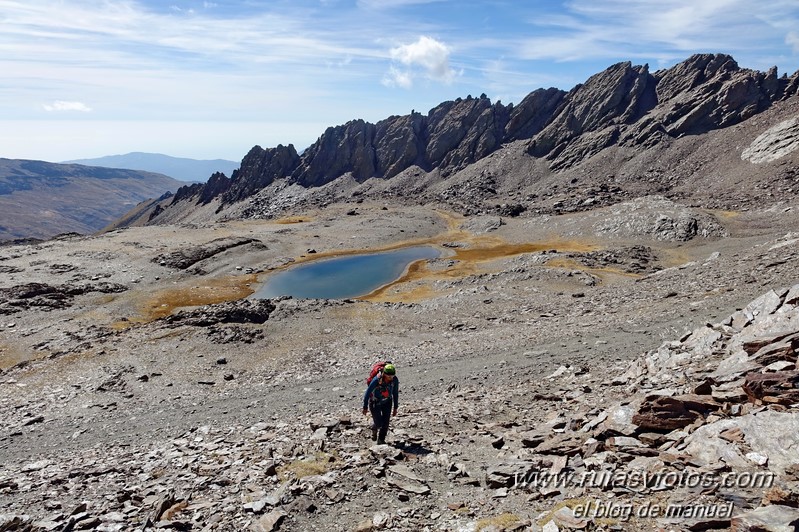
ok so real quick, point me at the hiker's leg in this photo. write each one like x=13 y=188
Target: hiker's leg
x=385 y=418
x=376 y=419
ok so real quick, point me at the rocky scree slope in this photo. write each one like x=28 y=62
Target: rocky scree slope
x=625 y=106
x=166 y=425
x=706 y=426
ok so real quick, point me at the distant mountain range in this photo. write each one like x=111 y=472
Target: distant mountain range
x=40 y=199
x=175 y=167
x=704 y=131
x=625 y=132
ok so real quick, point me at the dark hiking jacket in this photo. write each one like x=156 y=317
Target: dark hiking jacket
x=380 y=391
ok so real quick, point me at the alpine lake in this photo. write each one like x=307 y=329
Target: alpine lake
x=346 y=277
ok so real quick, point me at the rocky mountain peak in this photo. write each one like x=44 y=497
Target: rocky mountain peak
x=618 y=95
x=694 y=71
x=623 y=106
x=533 y=113
x=626 y=105
x=399 y=143
x=709 y=92
x=217 y=184
x=259 y=168
x=340 y=149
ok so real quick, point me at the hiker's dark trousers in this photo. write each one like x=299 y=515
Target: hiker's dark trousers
x=381 y=414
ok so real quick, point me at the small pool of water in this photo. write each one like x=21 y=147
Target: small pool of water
x=343 y=277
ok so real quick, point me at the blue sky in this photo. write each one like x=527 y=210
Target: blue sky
x=211 y=79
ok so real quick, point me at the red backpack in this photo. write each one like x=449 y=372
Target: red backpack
x=376 y=368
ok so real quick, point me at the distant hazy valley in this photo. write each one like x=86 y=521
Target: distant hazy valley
x=40 y=200
x=179 y=168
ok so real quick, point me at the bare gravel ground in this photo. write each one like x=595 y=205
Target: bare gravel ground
x=506 y=305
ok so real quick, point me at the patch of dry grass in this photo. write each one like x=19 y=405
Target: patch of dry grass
x=501 y=522
x=319 y=464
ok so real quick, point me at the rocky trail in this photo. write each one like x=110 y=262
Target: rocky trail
x=635 y=381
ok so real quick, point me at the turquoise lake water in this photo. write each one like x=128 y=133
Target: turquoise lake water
x=343 y=277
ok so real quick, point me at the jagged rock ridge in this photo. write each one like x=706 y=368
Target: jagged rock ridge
x=624 y=105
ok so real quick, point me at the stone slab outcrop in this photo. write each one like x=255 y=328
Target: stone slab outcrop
x=185 y=258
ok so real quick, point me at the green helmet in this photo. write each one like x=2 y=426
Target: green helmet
x=389 y=369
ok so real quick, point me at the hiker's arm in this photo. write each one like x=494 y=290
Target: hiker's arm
x=396 y=394
x=368 y=392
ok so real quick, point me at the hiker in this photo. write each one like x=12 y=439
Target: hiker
x=383 y=390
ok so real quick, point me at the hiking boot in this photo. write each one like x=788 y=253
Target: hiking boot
x=374 y=433
x=381 y=441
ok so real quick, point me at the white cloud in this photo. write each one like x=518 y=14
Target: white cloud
x=398 y=78
x=178 y=9
x=61 y=105
x=632 y=29
x=792 y=39
x=133 y=61
x=126 y=33
x=426 y=53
